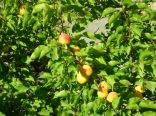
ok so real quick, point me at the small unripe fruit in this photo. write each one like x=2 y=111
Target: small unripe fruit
x=111 y=96
x=76 y=49
x=81 y=78
x=86 y=70
x=22 y=11
x=105 y=85
x=102 y=93
x=5 y=49
x=138 y=94
x=139 y=89
x=64 y=38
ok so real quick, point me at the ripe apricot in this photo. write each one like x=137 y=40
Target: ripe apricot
x=111 y=96
x=81 y=78
x=86 y=70
x=105 y=85
x=76 y=49
x=22 y=11
x=102 y=93
x=64 y=38
x=139 y=89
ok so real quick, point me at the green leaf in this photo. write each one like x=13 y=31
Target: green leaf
x=44 y=112
x=148 y=35
x=111 y=37
x=59 y=67
x=108 y=10
x=99 y=47
x=65 y=104
x=54 y=53
x=128 y=49
x=144 y=54
x=89 y=106
x=149 y=113
x=147 y=104
x=62 y=93
x=125 y=82
x=134 y=100
x=45 y=51
x=151 y=85
x=45 y=75
x=97 y=104
x=37 y=52
x=42 y=1
x=37 y=25
x=38 y=8
x=113 y=63
x=132 y=106
x=82 y=53
x=41 y=35
x=128 y=2
x=154 y=69
x=100 y=60
x=30 y=79
x=142 y=5
x=102 y=73
x=119 y=29
x=115 y=102
x=92 y=2
x=135 y=18
x=18 y=86
x=90 y=35
x=9 y=24
x=1 y=114
x=138 y=114
x=26 y=18
x=113 y=17
x=67 y=17
x=111 y=79
x=76 y=99
x=138 y=44
x=136 y=30
x=90 y=93
x=109 y=113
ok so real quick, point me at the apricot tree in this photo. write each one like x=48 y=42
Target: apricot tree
x=47 y=68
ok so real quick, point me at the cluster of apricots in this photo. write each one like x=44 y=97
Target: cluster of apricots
x=86 y=71
x=103 y=92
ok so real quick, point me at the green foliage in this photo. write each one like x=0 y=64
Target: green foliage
x=38 y=74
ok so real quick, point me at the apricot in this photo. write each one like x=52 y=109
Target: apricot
x=139 y=89
x=105 y=85
x=64 y=38
x=102 y=93
x=76 y=49
x=22 y=11
x=111 y=96
x=86 y=70
x=5 y=48
x=138 y=94
x=81 y=78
